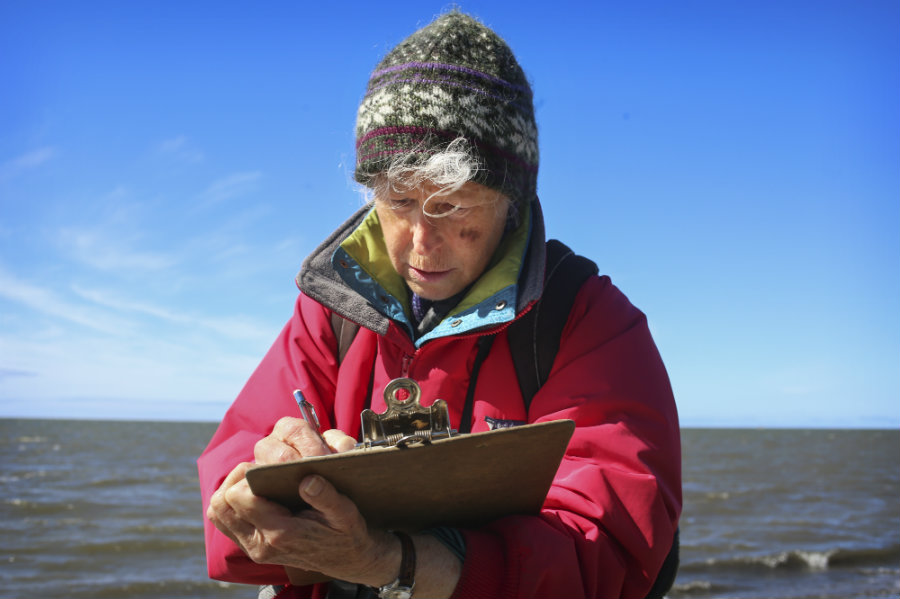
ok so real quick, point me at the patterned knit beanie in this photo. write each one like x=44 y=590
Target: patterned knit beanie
x=453 y=78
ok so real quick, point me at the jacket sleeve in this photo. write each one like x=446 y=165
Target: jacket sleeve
x=301 y=357
x=612 y=511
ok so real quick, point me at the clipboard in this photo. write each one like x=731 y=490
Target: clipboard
x=464 y=480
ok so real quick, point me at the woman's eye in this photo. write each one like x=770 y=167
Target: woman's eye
x=438 y=209
x=400 y=204
x=442 y=208
x=432 y=207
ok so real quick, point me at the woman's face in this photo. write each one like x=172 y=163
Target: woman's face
x=438 y=256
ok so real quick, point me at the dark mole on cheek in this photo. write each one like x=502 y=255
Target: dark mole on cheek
x=470 y=234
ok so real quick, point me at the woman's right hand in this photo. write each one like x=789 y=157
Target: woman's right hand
x=295 y=438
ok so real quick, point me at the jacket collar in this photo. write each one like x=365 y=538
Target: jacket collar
x=350 y=274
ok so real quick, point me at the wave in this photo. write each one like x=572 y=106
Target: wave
x=31 y=439
x=695 y=586
x=866 y=557
x=134 y=546
x=27 y=507
x=802 y=560
x=163 y=588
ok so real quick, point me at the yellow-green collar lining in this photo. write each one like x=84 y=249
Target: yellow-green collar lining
x=366 y=246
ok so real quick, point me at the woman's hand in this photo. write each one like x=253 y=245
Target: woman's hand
x=331 y=537
x=295 y=438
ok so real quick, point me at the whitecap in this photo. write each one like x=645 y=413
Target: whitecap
x=816 y=560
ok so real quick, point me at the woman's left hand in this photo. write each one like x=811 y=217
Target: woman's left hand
x=331 y=537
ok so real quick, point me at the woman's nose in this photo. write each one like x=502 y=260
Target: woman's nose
x=426 y=234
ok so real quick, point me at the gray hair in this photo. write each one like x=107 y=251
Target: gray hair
x=447 y=169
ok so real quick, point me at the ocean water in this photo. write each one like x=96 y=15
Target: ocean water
x=112 y=509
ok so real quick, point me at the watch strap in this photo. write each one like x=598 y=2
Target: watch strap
x=402 y=588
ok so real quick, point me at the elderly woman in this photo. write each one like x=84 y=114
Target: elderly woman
x=450 y=253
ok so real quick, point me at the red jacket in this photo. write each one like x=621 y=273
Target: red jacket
x=611 y=513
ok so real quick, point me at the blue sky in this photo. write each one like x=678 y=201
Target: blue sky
x=166 y=166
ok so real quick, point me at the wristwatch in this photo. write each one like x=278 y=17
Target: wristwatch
x=402 y=588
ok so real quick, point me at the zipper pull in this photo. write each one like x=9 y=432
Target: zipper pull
x=405 y=364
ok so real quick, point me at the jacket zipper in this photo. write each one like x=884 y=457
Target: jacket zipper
x=407 y=360
x=405 y=364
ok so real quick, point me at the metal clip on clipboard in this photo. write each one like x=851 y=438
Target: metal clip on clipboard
x=405 y=422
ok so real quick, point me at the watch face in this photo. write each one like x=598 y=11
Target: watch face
x=395 y=592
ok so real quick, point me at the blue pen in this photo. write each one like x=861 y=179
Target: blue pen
x=308 y=411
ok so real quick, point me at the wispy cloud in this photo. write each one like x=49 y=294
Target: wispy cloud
x=100 y=251
x=6 y=373
x=126 y=349
x=181 y=149
x=231 y=186
x=131 y=369
x=232 y=327
x=47 y=301
x=112 y=300
x=25 y=162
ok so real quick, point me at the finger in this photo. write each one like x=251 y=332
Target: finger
x=300 y=435
x=237 y=474
x=339 y=441
x=338 y=511
x=222 y=514
x=246 y=514
x=217 y=501
x=288 y=428
x=254 y=510
x=216 y=506
x=270 y=450
x=224 y=521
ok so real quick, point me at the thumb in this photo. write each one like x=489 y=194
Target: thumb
x=338 y=510
x=311 y=488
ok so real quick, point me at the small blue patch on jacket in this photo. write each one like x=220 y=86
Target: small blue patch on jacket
x=497 y=309
x=496 y=423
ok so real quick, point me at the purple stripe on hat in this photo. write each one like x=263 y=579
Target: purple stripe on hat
x=450 y=67
x=388 y=153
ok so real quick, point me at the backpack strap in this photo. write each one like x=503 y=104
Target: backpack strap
x=666 y=577
x=534 y=338
x=345 y=332
x=484 y=348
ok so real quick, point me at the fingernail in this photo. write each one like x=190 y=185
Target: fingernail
x=313 y=486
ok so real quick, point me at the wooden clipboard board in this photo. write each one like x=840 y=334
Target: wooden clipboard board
x=465 y=480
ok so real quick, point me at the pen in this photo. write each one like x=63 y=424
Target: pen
x=308 y=411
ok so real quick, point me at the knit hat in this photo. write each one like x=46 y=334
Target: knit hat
x=453 y=78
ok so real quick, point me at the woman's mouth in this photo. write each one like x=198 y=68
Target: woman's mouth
x=427 y=276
